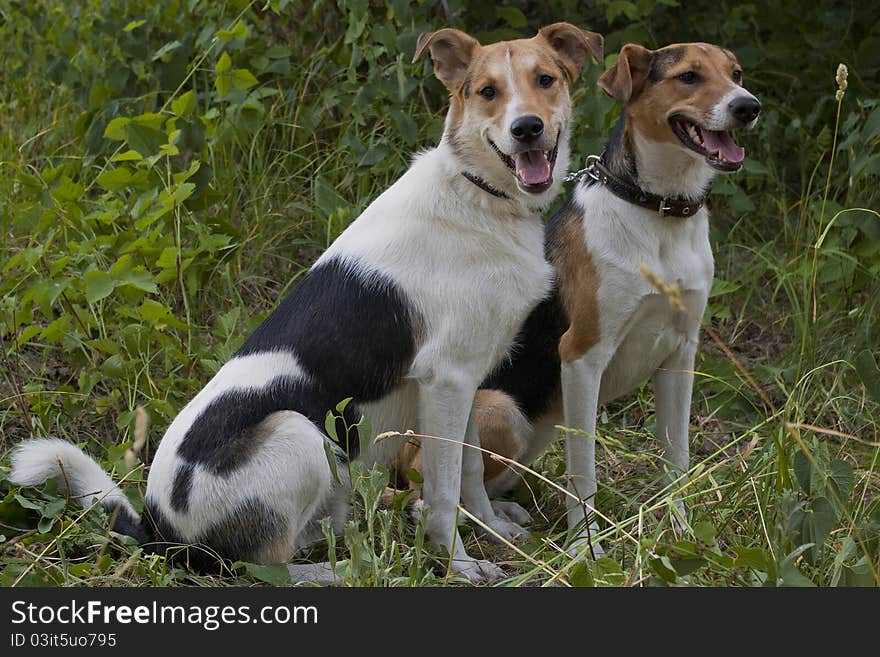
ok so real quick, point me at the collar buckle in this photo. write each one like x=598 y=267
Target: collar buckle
x=664 y=207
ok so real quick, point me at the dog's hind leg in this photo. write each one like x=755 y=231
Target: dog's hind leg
x=473 y=487
x=286 y=482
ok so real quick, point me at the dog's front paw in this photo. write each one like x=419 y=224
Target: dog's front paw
x=502 y=528
x=476 y=571
x=511 y=511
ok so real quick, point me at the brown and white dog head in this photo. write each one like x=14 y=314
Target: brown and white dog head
x=510 y=105
x=689 y=95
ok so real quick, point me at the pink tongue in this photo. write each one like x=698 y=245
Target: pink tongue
x=715 y=141
x=533 y=167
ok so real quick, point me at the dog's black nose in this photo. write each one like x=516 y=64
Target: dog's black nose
x=745 y=108
x=527 y=128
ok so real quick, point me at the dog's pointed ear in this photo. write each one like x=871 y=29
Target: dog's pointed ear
x=574 y=46
x=626 y=78
x=451 y=51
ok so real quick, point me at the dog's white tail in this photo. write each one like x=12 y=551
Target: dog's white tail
x=35 y=461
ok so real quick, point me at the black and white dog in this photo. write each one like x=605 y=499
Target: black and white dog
x=406 y=313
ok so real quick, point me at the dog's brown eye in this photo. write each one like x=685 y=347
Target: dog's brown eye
x=546 y=80
x=688 y=77
x=737 y=76
x=488 y=92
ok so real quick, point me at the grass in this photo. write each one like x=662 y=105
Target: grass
x=783 y=488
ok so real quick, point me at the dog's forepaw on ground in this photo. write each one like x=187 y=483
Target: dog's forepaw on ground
x=476 y=571
x=511 y=511
x=502 y=528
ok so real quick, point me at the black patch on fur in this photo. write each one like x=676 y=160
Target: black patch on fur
x=245 y=531
x=352 y=332
x=662 y=60
x=224 y=436
x=530 y=375
x=125 y=523
x=181 y=487
x=242 y=535
x=616 y=155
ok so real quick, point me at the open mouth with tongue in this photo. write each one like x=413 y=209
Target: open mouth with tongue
x=533 y=169
x=717 y=146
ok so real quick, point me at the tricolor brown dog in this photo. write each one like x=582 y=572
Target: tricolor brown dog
x=605 y=329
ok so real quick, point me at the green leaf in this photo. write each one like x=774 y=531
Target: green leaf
x=365 y=434
x=274 y=574
x=405 y=126
x=330 y=453
x=98 y=285
x=803 y=471
x=608 y=572
x=223 y=64
x=182 y=192
x=239 y=32
x=401 y=498
x=115 y=130
x=54 y=508
x=705 y=532
x=751 y=557
x=67 y=190
x=869 y=373
x=330 y=426
x=27 y=504
x=153 y=311
x=791 y=576
x=414 y=476
x=580 y=575
x=169 y=47
x=133 y=25
x=663 y=568
x=816 y=522
x=139 y=278
x=223 y=85
x=512 y=16
x=243 y=79
x=721 y=287
x=327 y=199
x=127 y=156
x=113 y=179
x=144 y=139
x=621 y=8
x=840 y=479
x=185 y=104
x=687 y=566
x=56 y=331
x=859 y=574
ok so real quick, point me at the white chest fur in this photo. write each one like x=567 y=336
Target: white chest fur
x=472 y=265
x=639 y=328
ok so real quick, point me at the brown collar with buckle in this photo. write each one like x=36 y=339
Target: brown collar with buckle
x=662 y=205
